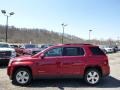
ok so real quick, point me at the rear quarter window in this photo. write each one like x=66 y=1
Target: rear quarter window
x=96 y=51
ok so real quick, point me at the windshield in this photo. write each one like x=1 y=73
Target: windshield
x=4 y=45
x=30 y=46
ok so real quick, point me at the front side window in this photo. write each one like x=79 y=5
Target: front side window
x=73 y=51
x=54 y=52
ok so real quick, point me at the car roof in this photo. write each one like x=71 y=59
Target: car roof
x=74 y=44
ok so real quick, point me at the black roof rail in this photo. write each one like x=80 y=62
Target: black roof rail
x=77 y=44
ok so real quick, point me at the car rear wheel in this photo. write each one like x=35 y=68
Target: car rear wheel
x=92 y=76
x=22 y=76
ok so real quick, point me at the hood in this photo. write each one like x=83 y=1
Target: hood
x=7 y=49
x=23 y=58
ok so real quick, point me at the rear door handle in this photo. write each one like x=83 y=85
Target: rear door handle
x=76 y=63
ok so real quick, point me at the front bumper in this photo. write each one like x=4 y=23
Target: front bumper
x=9 y=71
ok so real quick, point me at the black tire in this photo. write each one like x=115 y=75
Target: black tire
x=22 y=80
x=92 y=79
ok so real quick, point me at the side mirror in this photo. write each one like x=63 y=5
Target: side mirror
x=42 y=56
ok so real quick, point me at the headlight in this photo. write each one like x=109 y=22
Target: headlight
x=10 y=62
x=13 y=54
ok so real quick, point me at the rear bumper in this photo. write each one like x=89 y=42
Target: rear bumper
x=105 y=71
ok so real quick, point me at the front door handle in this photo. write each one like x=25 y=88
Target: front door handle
x=76 y=63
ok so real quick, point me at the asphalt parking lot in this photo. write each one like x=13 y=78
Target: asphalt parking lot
x=111 y=82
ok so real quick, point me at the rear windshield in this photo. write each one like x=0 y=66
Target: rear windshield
x=96 y=51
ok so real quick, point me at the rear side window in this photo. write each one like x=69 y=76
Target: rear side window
x=96 y=51
x=73 y=51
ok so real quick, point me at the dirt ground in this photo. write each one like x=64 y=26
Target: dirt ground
x=110 y=82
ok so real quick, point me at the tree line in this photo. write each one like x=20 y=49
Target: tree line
x=40 y=36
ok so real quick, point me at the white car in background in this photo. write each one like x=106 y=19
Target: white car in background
x=6 y=52
x=106 y=49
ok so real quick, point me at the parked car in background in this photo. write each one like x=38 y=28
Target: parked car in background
x=118 y=48
x=106 y=49
x=44 y=46
x=30 y=49
x=14 y=46
x=61 y=61
x=6 y=52
x=115 y=48
x=18 y=51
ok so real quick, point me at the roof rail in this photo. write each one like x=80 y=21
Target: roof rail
x=77 y=44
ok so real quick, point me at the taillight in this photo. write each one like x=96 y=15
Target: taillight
x=105 y=62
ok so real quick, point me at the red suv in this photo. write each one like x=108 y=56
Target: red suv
x=61 y=61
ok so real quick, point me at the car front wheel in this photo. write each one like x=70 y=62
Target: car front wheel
x=22 y=76
x=92 y=76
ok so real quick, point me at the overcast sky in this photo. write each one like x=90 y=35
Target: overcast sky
x=100 y=16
